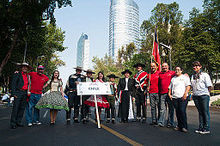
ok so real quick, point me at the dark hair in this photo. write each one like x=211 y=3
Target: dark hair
x=196 y=63
x=53 y=77
x=179 y=67
x=103 y=79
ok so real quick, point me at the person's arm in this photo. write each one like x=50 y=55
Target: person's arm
x=169 y=94
x=186 y=92
x=13 y=84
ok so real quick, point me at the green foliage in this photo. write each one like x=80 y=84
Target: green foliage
x=216 y=103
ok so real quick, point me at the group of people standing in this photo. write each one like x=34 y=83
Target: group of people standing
x=166 y=88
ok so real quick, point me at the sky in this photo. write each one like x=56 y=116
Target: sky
x=92 y=17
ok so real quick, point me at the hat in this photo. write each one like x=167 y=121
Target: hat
x=40 y=67
x=78 y=68
x=89 y=71
x=139 y=64
x=24 y=64
x=112 y=76
x=126 y=71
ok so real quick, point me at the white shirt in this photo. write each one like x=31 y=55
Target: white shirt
x=200 y=86
x=126 y=84
x=178 y=85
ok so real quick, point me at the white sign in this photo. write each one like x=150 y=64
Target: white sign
x=93 y=88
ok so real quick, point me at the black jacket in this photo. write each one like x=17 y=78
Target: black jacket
x=122 y=83
x=17 y=83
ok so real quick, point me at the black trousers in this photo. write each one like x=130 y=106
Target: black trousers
x=18 y=108
x=180 y=106
x=85 y=108
x=140 y=103
x=124 y=106
x=73 y=101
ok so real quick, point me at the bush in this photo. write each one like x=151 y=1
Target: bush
x=216 y=103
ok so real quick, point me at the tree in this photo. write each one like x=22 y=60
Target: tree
x=19 y=17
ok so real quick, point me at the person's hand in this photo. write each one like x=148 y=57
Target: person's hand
x=77 y=82
x=171 y=97
x=184 y=96
x=15 y=96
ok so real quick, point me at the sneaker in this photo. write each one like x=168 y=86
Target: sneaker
x=29 y=124
x=205 y=132
x=198 y=130
x=184 y=130
x=160 y=124
x=37 y=123
x=177 y=128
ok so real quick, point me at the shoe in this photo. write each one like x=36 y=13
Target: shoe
x=67 y=121
x=161 y=125
x=177 y=129
x=20 y=125
x=29 y=124
x=76 y=121
x=205 y=131
x=51 y=123
x=169 y=125
x=37 y=123
x=13 y=127
x=144 y=120
x=113 y=121
x=184 y=130
x=198 y=130
x=138 y=119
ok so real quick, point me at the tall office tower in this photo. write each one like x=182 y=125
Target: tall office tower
x=83 y=52
x=123 y=25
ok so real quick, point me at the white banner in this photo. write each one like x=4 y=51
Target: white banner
x=93 y=88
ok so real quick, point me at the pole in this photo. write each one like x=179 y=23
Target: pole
x=97 y=112
x=170 y=57
x=25 y=50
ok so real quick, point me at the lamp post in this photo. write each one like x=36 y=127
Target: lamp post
x=170 y=50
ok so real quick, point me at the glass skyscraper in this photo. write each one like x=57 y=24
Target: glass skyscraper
x=123 y=25
x=83 y=52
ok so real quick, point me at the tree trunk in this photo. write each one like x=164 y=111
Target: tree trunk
x=8 y=55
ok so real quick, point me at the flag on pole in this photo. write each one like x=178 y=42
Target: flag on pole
x=155 y=52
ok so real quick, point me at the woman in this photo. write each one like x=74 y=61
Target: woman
x=178 y=92
x=201 y=85
x=55 y=99
x=125 y=91
x=101 y=100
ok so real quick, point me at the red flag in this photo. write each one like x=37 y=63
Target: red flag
x=155 y=52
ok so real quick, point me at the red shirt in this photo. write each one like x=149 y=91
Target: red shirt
x=164 y=81
x=154 y=82
x=25 y=86
x=37 y=82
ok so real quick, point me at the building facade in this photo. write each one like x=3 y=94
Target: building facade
x=83 y=52
x=123 y=25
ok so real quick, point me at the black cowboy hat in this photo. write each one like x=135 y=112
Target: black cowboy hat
x=112 y=76
x=89 y=71
x=24 y=64
x=126 y=71
x=78 y=68
x=139 y=64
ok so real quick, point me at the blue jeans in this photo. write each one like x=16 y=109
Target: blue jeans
x=164 y=100
x=154 y=103
x=34 y=98
x=180 y=106
x=202 y=105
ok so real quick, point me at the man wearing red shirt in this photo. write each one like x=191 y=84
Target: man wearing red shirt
x=164 y=81
x=153 y=91
x=20 y=85
x=38 y=80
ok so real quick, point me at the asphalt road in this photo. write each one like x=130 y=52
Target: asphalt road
x=111 y=134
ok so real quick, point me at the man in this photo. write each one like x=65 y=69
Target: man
x=38 y=81
x=71 y=92
x=201 y=85
x=19 y=89
x=85 y=108
x=141 y=86
x=153 y=90
x=164 y=81
x=111 y=98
